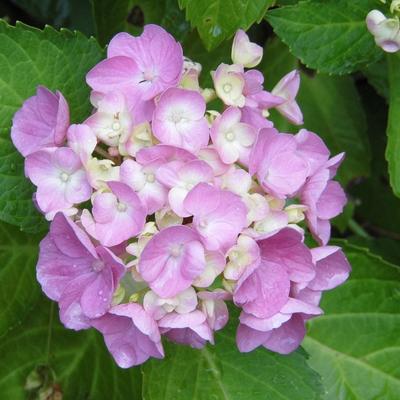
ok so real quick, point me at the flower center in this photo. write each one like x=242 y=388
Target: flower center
x=175 y=250
x=98 y=265
x=230 y=136
x=64 y=177
x=150 y=178
x=227 y=87
x=121 y=207
x=116 y=126
x=203 y=224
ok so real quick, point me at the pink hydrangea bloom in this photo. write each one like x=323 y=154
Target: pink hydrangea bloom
x=287 y=249
x=214 y=307
x=60 y=178
x=232 y=139
x=218 y=215
x=144 y=65
x=183 y=303
x=117 y=215
x=287 y=89
x=190 y=208
x=73 y=272
x=263 y=289
x=191 y=329
x=332 y=268
x=112 y=120
x=42 y=122
x=131 y=335
x=82 y=141
x=179 y=120
x=282 y=332
x=245 y=52
x=163 y=152
x=142 y=179
x=324 y=199
x=279 y=166
x=256 y=96
x=180 y=178
x=171 y=260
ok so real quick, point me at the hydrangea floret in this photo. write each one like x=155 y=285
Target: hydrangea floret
x=164 y=211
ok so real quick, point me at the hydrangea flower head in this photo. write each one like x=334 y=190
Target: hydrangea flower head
x=163 y=210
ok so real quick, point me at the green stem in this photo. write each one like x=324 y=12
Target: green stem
x=356 y=228
x=49 y=332
x=393 y=125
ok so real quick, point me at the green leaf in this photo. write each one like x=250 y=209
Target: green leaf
x=28 y=58
x=82 y=366
x=355 y=346
x=71 y=14
x=220 y=372
x=331 y=108
x=377 y=75
x=110 y=18
x=217 y=20
x=19 y=291
x=393 y=127
x=328 y=35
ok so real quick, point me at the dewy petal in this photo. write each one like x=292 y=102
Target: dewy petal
x=76 y=274
x=171 y=260
x=287 y=249
x=131 y=335
x=41 y=122
x=263 y=290
x=332 y=268
x=116 y=218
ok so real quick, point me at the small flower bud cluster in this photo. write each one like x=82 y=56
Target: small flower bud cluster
x=162 y=211
x=386 y=31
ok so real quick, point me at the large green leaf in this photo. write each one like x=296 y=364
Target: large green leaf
x=331 y=108
x=112 y=17
x=81 y=364
x=19 y=291
x=220 y=372
x=327 y=35
x=71 y=14
x=28 y=58
x=355 y=346
x=393 y=127
x=217 y=20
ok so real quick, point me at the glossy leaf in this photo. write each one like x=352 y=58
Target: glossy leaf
x=393 y=127
x=19 y=291
x=80 y=362
x=220 y=372
x=355 y=346
x=328 y=35
x=217 y=20
x=28 y=58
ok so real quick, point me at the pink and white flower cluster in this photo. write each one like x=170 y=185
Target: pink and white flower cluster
x=162 y=210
